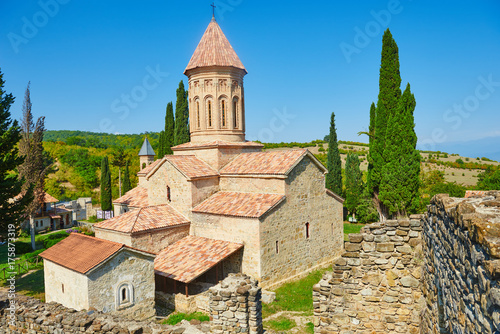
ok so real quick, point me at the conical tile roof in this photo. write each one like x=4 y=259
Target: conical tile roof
x=146 y=148
x=214 y=50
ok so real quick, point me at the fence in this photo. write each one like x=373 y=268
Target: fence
x=20 y=266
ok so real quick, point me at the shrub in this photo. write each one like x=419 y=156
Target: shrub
x=178 y=317
x=22 y=247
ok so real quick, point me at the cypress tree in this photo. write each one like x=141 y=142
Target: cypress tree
x=371 y=138
x=353 y=183
x=105 y=185
x=400 y=180
x=160 y=153
x=169 y=129
x=181 y=135
x=11 y=212
x=333 y=163
x=126 y=186
x=387 y=105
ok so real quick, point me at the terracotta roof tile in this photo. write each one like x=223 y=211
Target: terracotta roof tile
x=474 y=193
x=191 y=166
x=144 y=219
x=81 y=253
x=239 y=204
x=216 y=143
x=136 y=197
x=271 y=162
x=49 y=199
x=214 y=50
x=149 y=167
x=192 y=256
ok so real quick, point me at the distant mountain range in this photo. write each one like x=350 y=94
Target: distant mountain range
x=486 y=147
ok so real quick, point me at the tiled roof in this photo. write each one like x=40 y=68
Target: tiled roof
x=271 y=162
x=149 y=168
x=144 y=219
x=191 y=166
x=214 y=50
x=49 y=199
x=474 y=193
x=81 y=253
x=239 y=204
x=192 y=256
x=216 y=143
x=146 y=148
x=136 y=197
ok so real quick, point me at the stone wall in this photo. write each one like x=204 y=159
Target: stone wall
x=461 y=243
x=374 y=286
x=235 y=305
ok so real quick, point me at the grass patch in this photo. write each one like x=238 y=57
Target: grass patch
x=30 y=285
x=310 y=328
x=294 y=296
x=175 y=318
x=351 y=228
x=281 y=324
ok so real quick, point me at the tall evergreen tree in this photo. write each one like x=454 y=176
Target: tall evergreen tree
x=353 y=183
x=11 y=211
x=181 y=116
x=119 y=159
x=169 y=129
x=387 y=105
x=105 y=185
x=333 y=163
x=126 y=186
x=371 y=138
x=160 y=152
x=400 y=180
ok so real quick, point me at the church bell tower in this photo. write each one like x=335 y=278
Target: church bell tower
x=216 y=95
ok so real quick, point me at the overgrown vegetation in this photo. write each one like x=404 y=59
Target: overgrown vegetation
x=351 y=228
x=281 y=324
x=175 y=318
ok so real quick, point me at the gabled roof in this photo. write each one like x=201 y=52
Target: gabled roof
x=82 y=253
x=136 y=197
x=267 y=163
x=249 y=205
x=215 y=144
x=188 y=165
x=144 y=219
x=146 y=148
x=46 y=198
x=214 y=50
x=192 y=256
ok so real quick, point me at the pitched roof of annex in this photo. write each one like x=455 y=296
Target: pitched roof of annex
x=249 y=205
x=144 y=219
x=188 y=165
x=82 y=253
x=136 y=197
x=214 y=50
x=192 y=256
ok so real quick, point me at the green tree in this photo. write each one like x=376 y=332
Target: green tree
x=400 y=180
x=161 y=145
x=105 y=185
x=181 y=116
x=353 y=183
x=119 y=159
x=371 y=138
x=387 y=105
x=489 y=180
x=170 y=129
x=333 y=162
x=11 y=211
x=126 y=180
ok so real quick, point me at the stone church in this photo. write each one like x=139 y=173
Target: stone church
x=220 y=204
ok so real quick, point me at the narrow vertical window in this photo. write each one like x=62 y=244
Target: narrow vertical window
x=168 y=194
x=235 y=114
x=277 y=247
x=209 y=113
x=198 y=113
x=307 y=230
x=62 y=287
x=124 y=294
x=223 y=107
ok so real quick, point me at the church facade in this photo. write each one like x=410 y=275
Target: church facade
x=220 y=204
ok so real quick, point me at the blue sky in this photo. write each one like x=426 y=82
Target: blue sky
x=305 y=60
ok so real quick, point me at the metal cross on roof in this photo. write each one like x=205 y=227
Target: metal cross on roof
x=213 y=9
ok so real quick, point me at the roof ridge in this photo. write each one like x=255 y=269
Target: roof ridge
x=136 y=218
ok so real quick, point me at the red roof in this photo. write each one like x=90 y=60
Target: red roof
x=150 y=167
x=144 y=219
x=82 y=253
x=249 y=205
x=214 y=50
x=191 y=167
x=136 y=197
x=192 y=256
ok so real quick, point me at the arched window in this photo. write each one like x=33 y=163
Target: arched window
x=210 y=113
x=198 y=113
x=307 y=230
x=143 y=165
x=124 y=295
x=223 y=113
x=235 y=113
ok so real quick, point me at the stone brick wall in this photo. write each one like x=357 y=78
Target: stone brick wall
x=461 y=243
x=374 y=286
x=235 y=305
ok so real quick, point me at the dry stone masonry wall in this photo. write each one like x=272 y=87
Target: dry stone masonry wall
x=374 y=286
x=235 y=305
x=461 y=243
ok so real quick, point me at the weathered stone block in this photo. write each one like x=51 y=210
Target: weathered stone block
x=385 y=247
